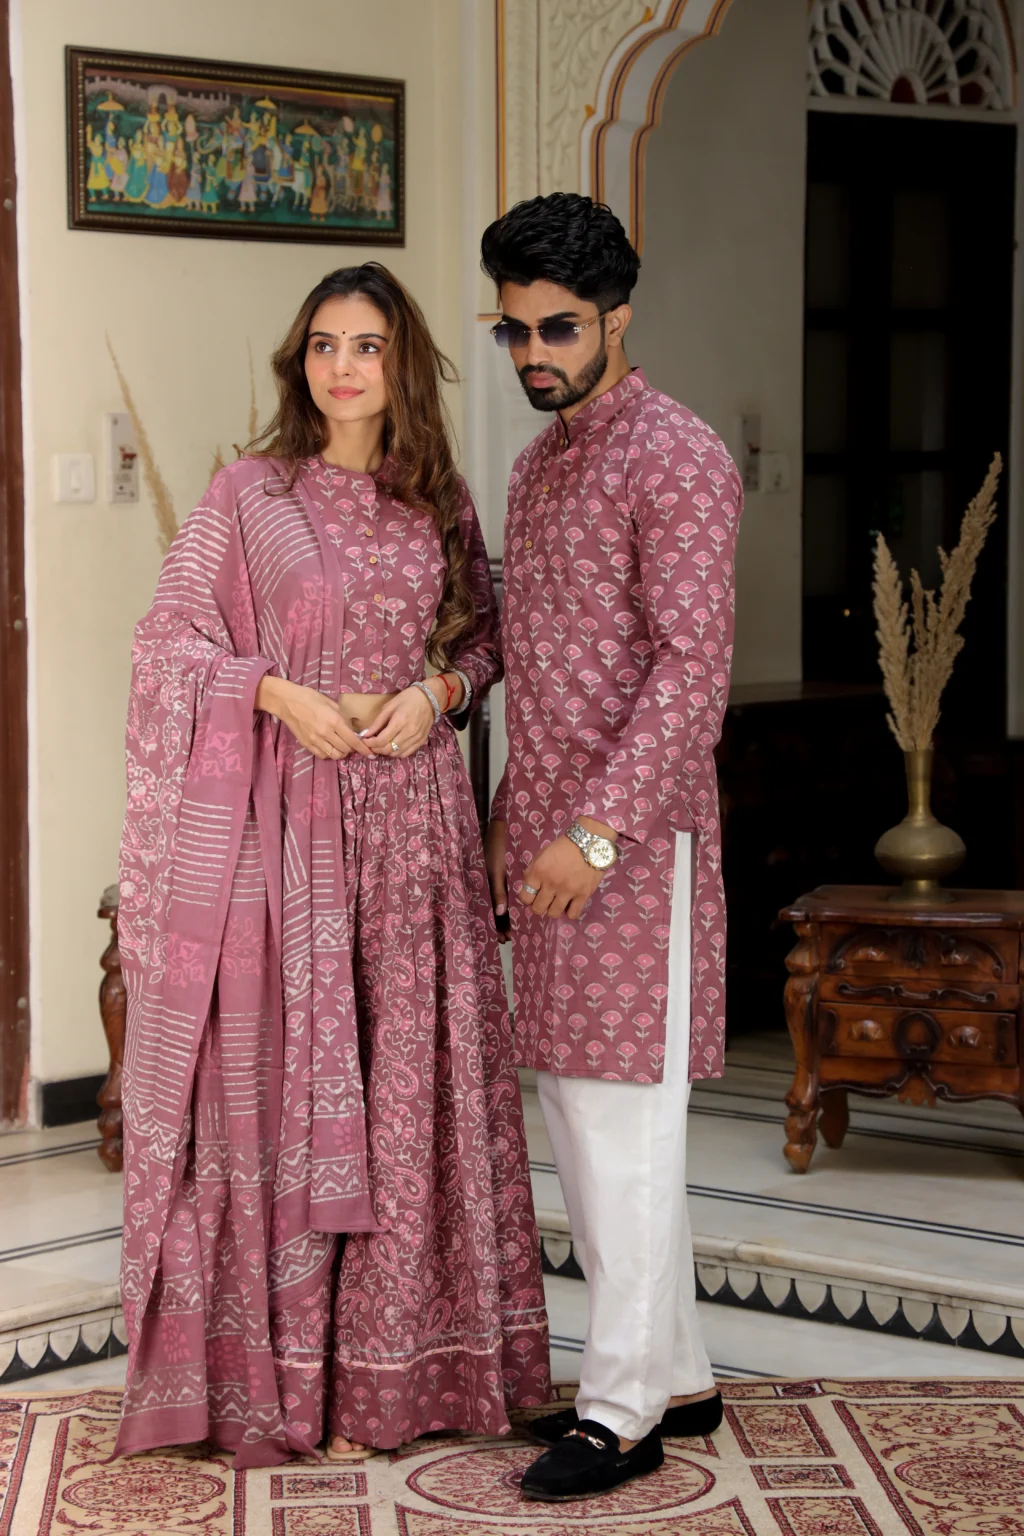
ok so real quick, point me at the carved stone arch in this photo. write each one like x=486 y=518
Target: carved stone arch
x=581 y=85
x=631 y=92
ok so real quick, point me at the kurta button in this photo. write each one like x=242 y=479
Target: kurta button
x=374 y=677
x=368 y=533
x=373 y=559
x=378 y=597
x=546 y=489
x=528 y=544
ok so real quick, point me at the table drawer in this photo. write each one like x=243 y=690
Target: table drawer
x=918 y=1034
x=861 y=987
x=951 y=955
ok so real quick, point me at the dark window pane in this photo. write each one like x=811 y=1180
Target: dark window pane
x=920 y=248
x=827 y=386
x=917 y=391
x=825 y=535
x=828 y=246
x=917 y=523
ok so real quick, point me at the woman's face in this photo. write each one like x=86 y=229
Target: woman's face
x=345 y=359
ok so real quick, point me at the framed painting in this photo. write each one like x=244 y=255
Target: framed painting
x=200 y=147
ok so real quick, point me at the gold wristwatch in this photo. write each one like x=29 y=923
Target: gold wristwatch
x=599 y=852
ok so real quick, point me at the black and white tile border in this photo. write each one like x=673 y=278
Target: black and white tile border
x=78 y=1342
x=821 y=1301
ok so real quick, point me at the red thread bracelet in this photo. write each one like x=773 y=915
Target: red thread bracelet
x=449 y=689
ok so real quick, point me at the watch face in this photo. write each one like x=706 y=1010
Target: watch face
x=601 y=854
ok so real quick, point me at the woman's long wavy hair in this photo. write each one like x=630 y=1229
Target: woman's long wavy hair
x=417 y=432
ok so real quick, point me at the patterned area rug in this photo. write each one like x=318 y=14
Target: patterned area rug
x=794 y=1458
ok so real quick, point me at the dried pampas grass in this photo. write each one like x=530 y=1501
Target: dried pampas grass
x=163 y=504
x=919 y=641
x=254 y=419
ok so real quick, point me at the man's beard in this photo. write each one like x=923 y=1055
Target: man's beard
x=558 y=397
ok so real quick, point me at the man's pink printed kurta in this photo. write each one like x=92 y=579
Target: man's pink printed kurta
x=617 y=632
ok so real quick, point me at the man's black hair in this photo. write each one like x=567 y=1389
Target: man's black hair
x=568 y=240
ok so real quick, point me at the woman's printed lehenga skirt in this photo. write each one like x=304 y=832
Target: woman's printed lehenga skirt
x=437 y=1320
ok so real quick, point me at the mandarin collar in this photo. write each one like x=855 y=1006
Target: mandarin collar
x=605 y=408
x=329 y=474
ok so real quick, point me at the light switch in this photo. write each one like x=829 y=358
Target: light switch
x=74 y=477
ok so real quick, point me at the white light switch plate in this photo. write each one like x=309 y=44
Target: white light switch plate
x=74 y=477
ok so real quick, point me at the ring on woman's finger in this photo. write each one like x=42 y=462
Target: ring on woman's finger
x=531 y=890
x=394 y=746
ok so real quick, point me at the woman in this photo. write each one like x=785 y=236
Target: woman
x=327 y=1201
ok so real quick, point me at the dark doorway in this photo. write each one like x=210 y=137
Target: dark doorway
x=909 y=299
x=14 y=1019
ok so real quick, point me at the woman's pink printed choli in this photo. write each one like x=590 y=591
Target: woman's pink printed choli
x=328 y=1219
x=617 y=630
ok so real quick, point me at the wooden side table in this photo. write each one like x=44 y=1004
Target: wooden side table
x=918 y=1003
x=113 y=1005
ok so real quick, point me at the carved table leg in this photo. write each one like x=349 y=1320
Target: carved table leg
x=835 y=1116
x=113 y=1002
x=801 y=1006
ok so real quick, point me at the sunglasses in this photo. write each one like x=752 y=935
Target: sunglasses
x=512 y=335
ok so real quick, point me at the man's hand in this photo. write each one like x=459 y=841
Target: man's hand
x=561 y=877
x=494 y=858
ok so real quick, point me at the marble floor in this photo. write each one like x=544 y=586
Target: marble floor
x=911 y=1234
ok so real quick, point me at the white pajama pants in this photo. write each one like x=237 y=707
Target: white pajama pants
x=620 y=1151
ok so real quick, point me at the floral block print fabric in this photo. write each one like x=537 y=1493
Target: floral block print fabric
x=617 y=630
x=279 y=1109
x=908 y=1458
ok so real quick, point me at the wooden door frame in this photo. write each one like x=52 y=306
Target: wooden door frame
x=14 y=951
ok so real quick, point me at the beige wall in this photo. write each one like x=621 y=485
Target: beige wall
x=719 y=306
x=179 y=312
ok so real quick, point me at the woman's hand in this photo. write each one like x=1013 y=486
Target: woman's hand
x=314 y=720
x=402 y=726
x=494 y=858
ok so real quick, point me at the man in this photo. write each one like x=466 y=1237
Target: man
x=617 y=633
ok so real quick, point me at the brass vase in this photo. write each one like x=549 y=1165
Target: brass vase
x=920 y=849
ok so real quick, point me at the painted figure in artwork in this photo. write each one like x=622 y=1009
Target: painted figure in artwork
x=329 y=1227
x=98 y=184
x=177 y=176
x=384 y=208
x=318 y=202
x=617 y=618
x=194 y=194
x=138 y=171
x=211 y=185
x=160 y=165
x=152 y=130
x=357 y=166
x=303 y=178
x=247 y=186
x=117 y=160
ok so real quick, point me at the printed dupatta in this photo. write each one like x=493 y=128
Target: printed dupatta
x=207 y=780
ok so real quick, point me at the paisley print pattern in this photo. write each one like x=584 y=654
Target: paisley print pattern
x=617 y=631
x=324 y=1149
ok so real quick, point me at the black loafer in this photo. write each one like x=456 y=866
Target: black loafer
x=700 y=1418
x=587 y=1462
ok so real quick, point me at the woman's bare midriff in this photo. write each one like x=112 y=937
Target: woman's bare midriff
x=361 y=709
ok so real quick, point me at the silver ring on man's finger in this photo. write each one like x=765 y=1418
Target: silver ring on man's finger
x=531 y=890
